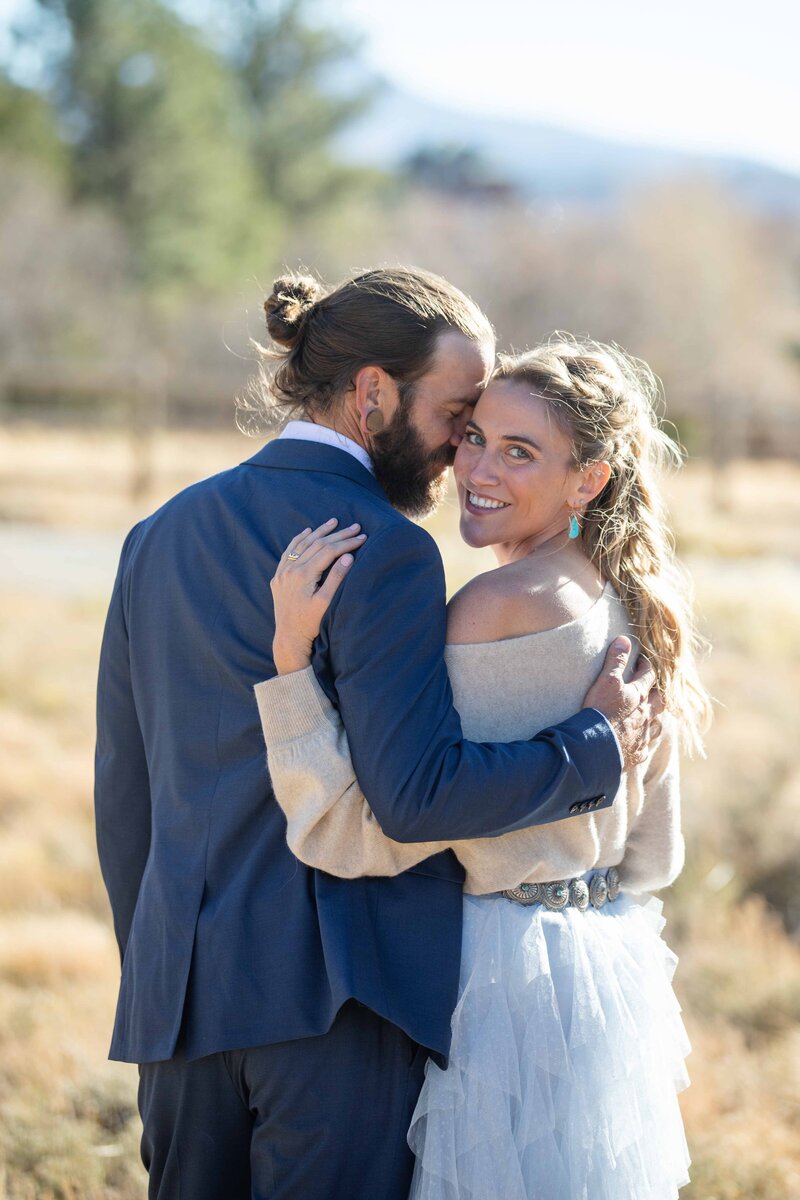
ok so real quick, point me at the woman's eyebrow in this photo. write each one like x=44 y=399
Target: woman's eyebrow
x=520 y=437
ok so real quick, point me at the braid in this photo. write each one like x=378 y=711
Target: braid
x=606 y=402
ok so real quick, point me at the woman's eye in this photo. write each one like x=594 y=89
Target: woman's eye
x=519 y=453
x=473 y=438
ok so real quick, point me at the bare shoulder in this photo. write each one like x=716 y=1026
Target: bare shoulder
x=515 y=600
x=479 y=612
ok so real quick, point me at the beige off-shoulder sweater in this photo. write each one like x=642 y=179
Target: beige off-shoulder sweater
x=504 y=691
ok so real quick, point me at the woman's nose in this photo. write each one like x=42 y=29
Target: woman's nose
x=482 y=470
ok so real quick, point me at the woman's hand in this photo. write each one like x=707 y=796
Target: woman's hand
x=300 y=601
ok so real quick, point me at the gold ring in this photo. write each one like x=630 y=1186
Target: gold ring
x=292 y=556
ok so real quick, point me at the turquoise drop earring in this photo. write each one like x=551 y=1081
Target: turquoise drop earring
x=574 y=527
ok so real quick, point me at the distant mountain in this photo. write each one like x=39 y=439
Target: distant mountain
x=547 y=163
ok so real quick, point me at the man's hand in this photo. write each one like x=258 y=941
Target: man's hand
x=632 y=708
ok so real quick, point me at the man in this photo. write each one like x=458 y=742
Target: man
x=282 y=1017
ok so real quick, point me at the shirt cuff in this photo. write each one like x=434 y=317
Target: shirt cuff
x=291 y=706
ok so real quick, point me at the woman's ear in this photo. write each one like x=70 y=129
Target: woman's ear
x=592 y=481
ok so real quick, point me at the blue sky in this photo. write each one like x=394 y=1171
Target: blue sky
x=706 y=75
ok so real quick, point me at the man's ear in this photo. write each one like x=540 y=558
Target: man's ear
x=376 y=399
x=593 y=479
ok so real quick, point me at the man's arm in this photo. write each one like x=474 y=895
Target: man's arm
x=423 y=781
x=329 y=824
x=122 y=784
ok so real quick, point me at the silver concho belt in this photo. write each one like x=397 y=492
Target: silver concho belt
x=603 y=886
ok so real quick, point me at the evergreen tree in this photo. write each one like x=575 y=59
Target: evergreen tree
x=151 y=114
x=299 y=85
x=28 y=128
x=203 y=131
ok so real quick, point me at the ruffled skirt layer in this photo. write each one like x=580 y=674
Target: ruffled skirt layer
x=567 y=1056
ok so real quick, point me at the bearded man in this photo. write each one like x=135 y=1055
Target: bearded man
x=282 y=1017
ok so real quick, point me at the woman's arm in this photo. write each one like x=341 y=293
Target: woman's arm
x=654 y=851
x=329 y=823
x=424 y=781
x=331 y=826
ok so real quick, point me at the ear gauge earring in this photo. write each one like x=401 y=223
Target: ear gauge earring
x=574 y=527
x=374 y=421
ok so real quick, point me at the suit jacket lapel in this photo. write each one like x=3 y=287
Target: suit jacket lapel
x=289 y=454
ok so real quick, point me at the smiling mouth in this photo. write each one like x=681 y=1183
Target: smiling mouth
x=484 y=503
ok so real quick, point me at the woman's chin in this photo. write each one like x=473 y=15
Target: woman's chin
x=472 y=534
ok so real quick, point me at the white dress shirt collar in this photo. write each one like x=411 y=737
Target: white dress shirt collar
x=307 y=431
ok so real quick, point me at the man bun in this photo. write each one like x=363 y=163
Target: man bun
x=292 y=299
x=390 y=317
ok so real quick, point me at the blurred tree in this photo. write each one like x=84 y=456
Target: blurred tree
x=202 y=128
x=458 y=169
x=28 y=128
x=299 y=86
x=150 y=114
x=64 y=297
x=716 y=304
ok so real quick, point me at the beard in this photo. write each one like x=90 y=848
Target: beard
x=413 y=478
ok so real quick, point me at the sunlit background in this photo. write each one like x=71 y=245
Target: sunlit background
x=626 y=170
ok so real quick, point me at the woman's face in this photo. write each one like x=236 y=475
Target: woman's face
x=514 y=469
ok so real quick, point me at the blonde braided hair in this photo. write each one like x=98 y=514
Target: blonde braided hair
x=607 y=404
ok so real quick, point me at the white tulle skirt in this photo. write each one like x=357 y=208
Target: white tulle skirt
x=567 y=1056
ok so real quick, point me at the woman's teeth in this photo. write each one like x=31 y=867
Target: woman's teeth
x=483 y=502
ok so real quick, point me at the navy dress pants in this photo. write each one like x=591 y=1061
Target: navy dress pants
x=321 y=1118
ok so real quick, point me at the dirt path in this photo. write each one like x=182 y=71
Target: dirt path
x=62 y=562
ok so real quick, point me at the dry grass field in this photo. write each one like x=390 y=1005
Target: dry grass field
x=68 y=1124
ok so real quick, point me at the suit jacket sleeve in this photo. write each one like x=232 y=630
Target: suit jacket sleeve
x=329 y=824
x=122 y=785
x=422 y=780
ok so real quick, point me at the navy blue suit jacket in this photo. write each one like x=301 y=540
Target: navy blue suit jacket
x=218 y=923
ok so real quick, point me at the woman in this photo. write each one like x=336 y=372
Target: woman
x=568 y=1048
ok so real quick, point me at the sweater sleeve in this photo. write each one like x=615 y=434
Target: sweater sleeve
x=331 y=826
x=329 y=822
x=382 y=645
x=654 y=850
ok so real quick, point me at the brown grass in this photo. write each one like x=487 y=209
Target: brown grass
x=68 y=1126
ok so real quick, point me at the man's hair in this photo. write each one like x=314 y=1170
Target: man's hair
x=390 y=317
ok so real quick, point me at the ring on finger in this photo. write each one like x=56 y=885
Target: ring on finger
x=291 y=556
